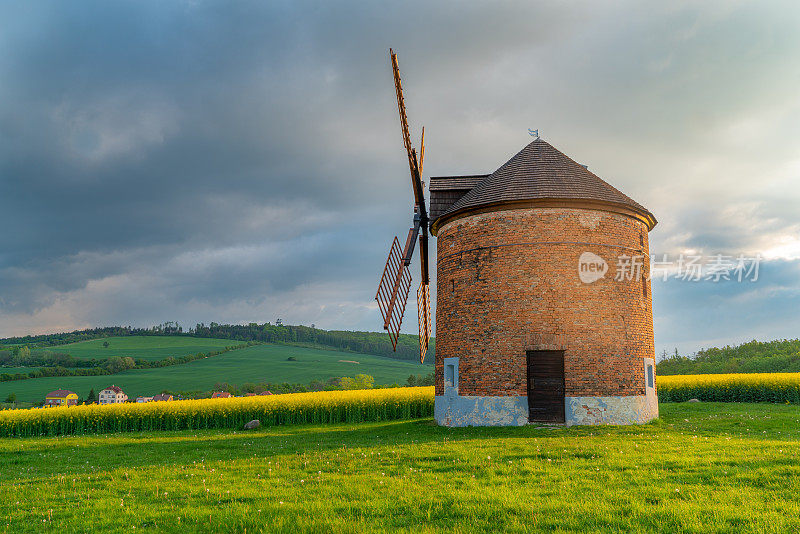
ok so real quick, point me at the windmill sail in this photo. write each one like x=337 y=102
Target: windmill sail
x=395 y=283
x=393 y=292
x=424 y=317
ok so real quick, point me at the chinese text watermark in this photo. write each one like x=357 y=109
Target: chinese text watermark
x=684 y=267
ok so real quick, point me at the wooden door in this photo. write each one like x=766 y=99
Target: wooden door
x=546 y=386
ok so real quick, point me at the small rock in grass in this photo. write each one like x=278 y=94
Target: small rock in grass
x=252 y=425
x=694 y=400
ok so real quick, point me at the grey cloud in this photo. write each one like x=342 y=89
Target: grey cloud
x=232 y=162
x=692 y=315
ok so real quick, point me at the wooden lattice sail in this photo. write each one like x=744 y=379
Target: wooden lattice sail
x=424 y=317
x=395 y=283
x=393 y=292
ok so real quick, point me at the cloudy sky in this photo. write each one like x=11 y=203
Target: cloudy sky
x=242 y=161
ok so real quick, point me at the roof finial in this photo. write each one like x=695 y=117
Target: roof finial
x=533 y=133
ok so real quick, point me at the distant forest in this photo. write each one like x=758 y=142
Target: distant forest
x=779 y=356
x=362 y=342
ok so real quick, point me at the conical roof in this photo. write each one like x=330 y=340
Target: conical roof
x=539 y=172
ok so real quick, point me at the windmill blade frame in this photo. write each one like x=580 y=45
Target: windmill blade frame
x=424 y=319
x=393 y=291
x=395 y=283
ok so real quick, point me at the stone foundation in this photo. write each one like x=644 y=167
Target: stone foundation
x=454 y=410
x=610 y=410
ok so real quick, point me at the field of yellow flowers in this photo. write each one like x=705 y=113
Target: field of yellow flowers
x=750 y=387
x=344 y=406
x=297 y=408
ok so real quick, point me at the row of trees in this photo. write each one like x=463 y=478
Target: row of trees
x=22 y=356
x=107 y=366
x=420 y=380
x=779 y=356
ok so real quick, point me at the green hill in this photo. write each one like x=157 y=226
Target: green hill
x=141 y=347
x=376 y=343
x=779 y=356
x=262 y=363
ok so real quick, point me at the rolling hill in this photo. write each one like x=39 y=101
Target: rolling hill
x=262 y=363
x=143 y=347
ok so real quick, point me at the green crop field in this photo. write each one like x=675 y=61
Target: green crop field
x=143 y=347
x=262 y=363
x=701 y=468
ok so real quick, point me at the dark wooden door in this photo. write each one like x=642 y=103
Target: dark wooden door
x=546 y=386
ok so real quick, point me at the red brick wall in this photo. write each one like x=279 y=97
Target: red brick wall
x=508 y=282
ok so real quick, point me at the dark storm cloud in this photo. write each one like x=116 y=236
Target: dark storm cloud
x=209 y=161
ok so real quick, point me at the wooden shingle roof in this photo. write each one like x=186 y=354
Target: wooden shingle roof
x=538 y=173
x=439 y=183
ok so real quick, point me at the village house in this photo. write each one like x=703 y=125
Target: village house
x=112 y=395
x=221 y=395
x=162 y=397
x=144 y=399
x=61 y=397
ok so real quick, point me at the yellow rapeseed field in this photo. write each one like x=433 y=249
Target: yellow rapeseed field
x=295 y=408
x=749 y=387
x=344 y=406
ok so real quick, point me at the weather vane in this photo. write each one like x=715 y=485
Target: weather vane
x=533 y=133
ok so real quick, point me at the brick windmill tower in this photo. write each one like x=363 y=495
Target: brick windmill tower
x=543 y=311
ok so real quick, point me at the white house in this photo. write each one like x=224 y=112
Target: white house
x=112 y=395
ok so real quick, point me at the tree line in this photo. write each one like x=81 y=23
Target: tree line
x=58 y=364
x=779 y=356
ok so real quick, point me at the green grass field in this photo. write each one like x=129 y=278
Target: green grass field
x=701 y=468
x=267 y=363
x=143 y=347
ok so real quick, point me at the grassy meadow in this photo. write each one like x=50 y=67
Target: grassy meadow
x=703 y=467
x=142 y=347
x=261 y=363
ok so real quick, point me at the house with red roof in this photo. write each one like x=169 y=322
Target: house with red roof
x=112 y=395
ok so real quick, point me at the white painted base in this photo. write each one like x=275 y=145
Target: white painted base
x=454 y=410
x=611 y=410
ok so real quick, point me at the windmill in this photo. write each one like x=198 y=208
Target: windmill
x=395 y=283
